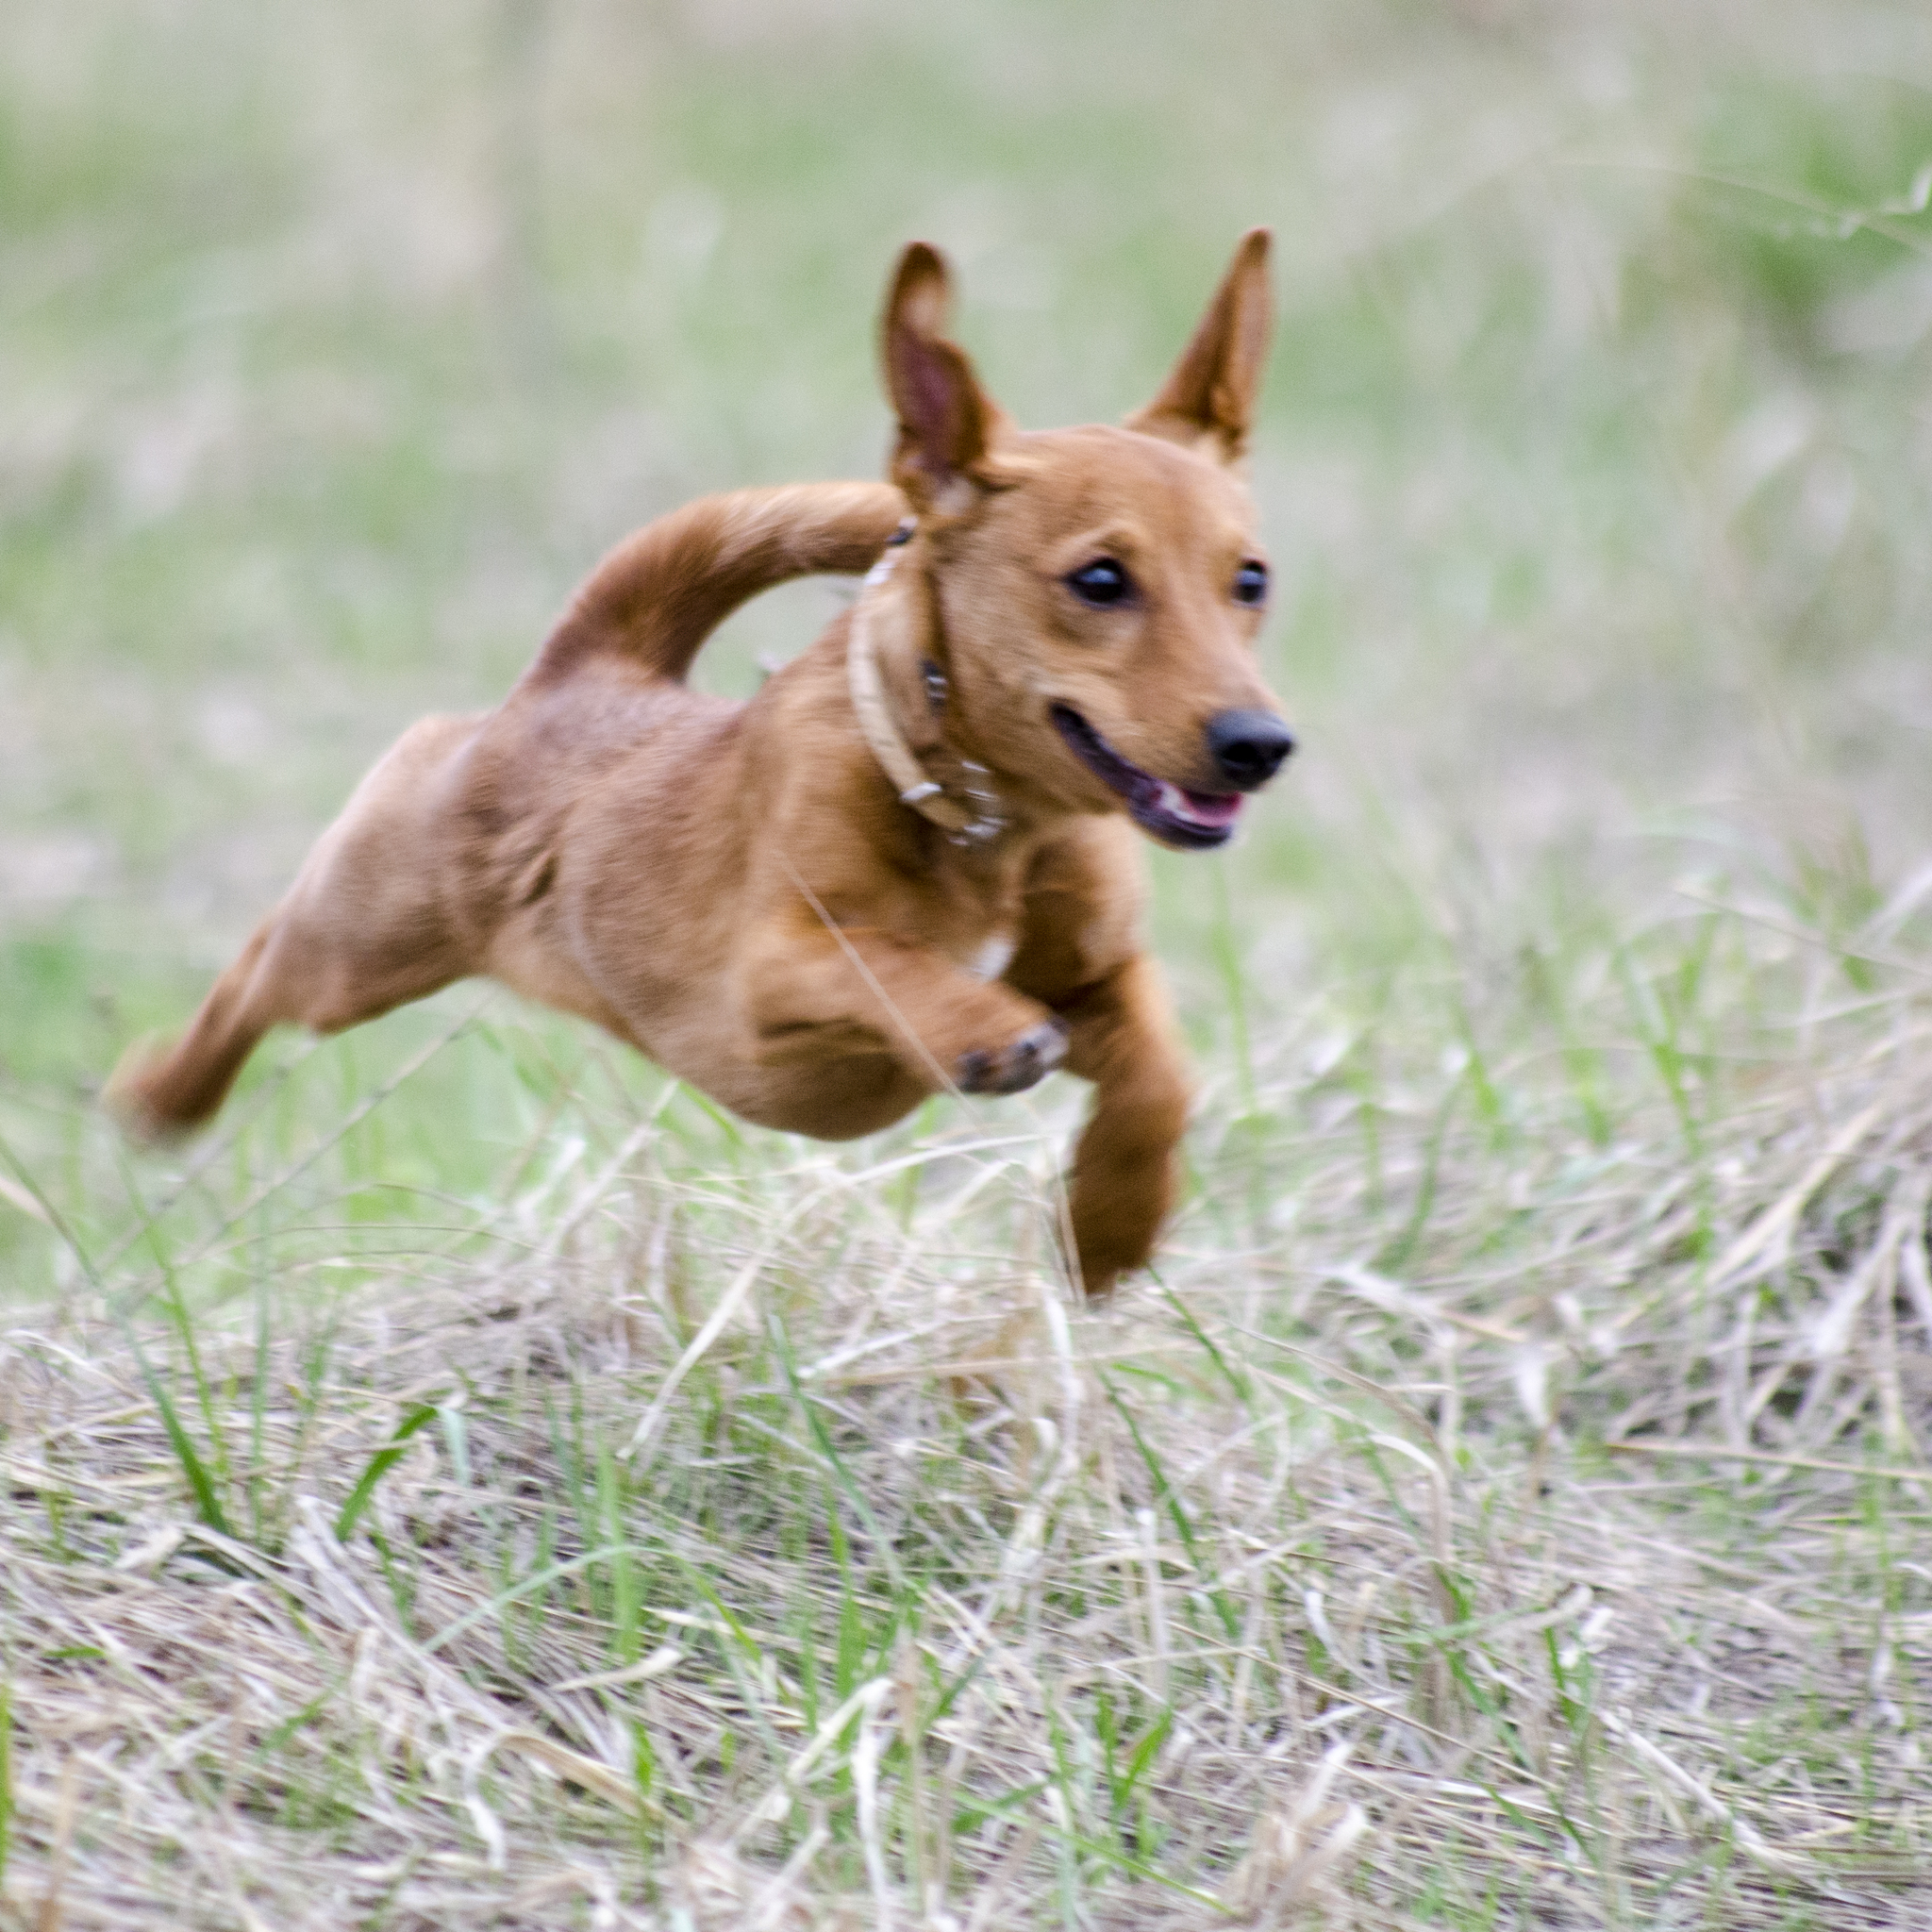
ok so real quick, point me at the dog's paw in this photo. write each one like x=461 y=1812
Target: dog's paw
x=1023 y=1064
x=128 y=1099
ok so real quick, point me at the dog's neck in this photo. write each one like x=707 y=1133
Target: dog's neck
x=934 y=778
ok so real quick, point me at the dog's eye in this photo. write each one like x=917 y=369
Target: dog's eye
x=1251 y=582
x=1102 y=582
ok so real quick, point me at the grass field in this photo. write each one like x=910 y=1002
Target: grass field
x=480 y=1485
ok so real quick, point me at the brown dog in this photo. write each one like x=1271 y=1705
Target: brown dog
x=909 y=863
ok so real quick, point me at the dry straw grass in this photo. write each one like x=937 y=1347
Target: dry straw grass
x=753 y=1557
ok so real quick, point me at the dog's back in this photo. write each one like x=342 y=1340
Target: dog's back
x=443 y=862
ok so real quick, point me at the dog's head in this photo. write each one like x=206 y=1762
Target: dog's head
x=1097 y=590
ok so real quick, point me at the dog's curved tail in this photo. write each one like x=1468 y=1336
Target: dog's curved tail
x=662 y=591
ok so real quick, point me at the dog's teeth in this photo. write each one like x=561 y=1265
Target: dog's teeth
x=1176 y=803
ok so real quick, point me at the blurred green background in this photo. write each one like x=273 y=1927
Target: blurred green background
x=335 y=343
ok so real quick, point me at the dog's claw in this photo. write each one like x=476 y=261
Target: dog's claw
x=1026 y=1062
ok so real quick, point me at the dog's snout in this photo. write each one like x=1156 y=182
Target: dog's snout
x=1248 y=747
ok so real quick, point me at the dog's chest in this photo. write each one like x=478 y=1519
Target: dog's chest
x=995 y=954
x=985 y=919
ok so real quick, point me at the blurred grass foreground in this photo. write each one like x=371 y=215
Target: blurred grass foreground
x=482 y=1485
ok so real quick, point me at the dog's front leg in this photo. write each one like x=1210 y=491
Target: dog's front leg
x=1122 y=1039
x=831 y=995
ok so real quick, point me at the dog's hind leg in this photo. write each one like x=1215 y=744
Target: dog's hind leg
x=1123 y=1180
x=287 y=974
x=156 y=1094
x=362 y=930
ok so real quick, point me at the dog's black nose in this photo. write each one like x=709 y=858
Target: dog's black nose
x=1248 y=747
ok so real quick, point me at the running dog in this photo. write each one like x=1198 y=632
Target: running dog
x=909 y=864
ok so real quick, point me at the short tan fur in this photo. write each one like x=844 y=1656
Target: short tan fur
x=738 y=891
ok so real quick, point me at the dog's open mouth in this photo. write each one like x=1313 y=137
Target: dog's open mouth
x=1195 y=821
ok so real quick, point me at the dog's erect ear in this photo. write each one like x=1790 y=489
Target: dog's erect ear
x=947 y=423
x=1208 y=400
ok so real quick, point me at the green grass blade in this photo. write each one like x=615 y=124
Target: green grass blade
x=379 y=1466
x=207 y=1504
x=5 y=1778
x=538 y=1580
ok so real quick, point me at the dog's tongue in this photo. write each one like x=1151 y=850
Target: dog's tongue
x=1207 y=809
